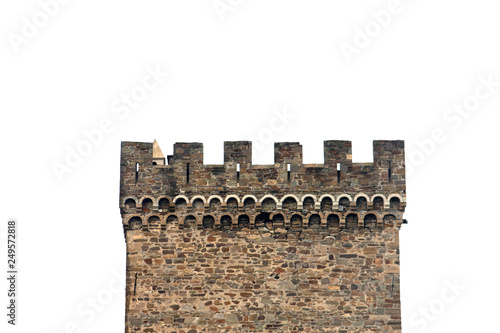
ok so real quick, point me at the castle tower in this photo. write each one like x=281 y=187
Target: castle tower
x=240 y=247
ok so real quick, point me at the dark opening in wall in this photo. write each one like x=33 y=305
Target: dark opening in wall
x=208 y=222
x=163 y=204
x=130 y=206
x=261 y=220
x=333 y=221
x=238 y=173
x=154 y=221
x=351 y=221
x=378 y=203
x=136 y=171
x=135 y=223
x=232 y=205
x=389 y=171
x=189 y=221
x=296 y=222
x=361 y=204
x=215 y=205
x=187 y=173
x=308 y=203
x=268 y=205
x=181 y=205
x=243 y=221
x=370 y=221
x=389 y=220
x=135 y=283
x=344 y=204
x=278 y=221
x=198 y=205
x=338 y=173
x=147 y=205
x=289 y=204
x=288 y=172
x=172 y=220
x=314 y=221
x=395 y=203
x=249 y=204
x=226 y=222
x=326 y=204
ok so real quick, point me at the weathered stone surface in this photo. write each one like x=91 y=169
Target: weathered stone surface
x=250 y=248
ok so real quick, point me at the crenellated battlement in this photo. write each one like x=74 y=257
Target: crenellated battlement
x=184 y=171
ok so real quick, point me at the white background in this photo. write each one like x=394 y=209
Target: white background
x=227 y=73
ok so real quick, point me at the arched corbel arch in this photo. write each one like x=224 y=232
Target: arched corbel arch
x=316 y=202
x=399 y=197
x=379 y=195
x=169 y=218
x=147 y=204
x=160 y=206
x=129 y=205
x=296 y=221
x=327 y=196
x=339 y=199
x=227 y=221
x=370 y=220
x=268 y=196
x=134 y=217
x=208 y=221
x=265 y=208
x=147 y=197
x=340 y=196
x=243 y=220
x=358 y=199
x=129 y=197
x=249 y=196
x=332 y=220
x=180 y=196
x=202 y=198
x=352 y=220
x=362 y=195
x=148 y=219
x=232 y=196
x=215 y=197
x=297 y=200
x=187 y=221
x=314 y=221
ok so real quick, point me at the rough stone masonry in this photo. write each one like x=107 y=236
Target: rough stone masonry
x=238 y=247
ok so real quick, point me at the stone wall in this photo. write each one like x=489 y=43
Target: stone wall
x=245 y=248
x=192 y=280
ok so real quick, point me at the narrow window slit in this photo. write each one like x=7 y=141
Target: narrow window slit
x=135 y=283
x=187 y=173
x=136 y=171
x=288 y=171
x=390 y=172
x=338 y=173
x=238 y=172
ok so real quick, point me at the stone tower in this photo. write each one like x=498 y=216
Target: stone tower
x=240 y=247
